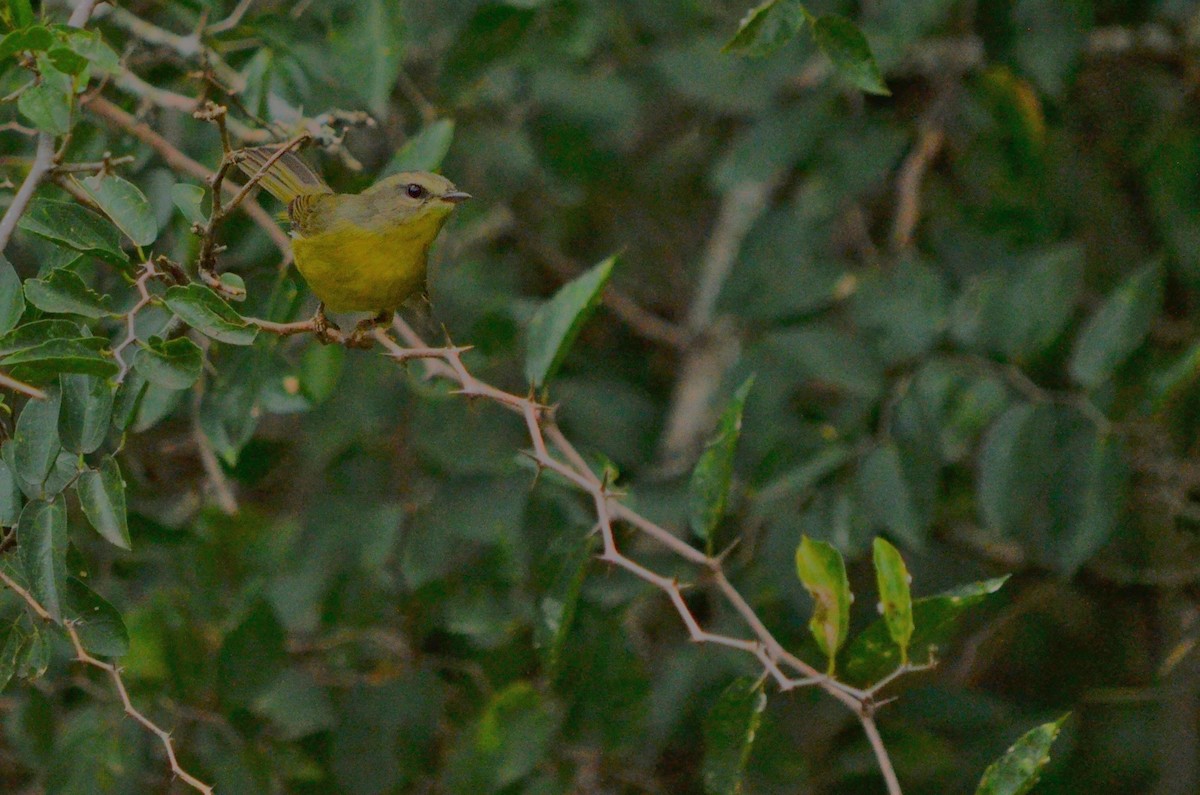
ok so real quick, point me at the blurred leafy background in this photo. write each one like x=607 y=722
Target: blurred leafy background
x=970 y=310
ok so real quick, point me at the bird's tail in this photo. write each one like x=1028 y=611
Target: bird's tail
x=287 y=177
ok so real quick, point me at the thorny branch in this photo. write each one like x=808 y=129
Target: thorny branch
x=552 y=451
x=118 y=683
x=144 y=298
x=178 y=161
x=43 y=160
x=44 y=164
x=207 y=261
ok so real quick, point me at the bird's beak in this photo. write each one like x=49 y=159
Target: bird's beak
x=455 y=196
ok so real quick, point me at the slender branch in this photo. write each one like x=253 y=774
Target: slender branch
x=43 y=161
x=114 y=673
x=96 y=167
x=231 y=21
x=881 y=754
x=130 y=83
x=713 y=346
x=207 y=260
x=81 y=13
x=908 y=185
x=740 y=208
x=148 y=272
x=8 y=382
x=547 y=439
x=178 y=161
x=221 y=488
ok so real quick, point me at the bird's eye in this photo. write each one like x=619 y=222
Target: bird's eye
x=414 y=191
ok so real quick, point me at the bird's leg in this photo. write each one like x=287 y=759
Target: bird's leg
x=361 y=336
x=324 y=328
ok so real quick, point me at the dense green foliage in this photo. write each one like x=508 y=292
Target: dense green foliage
x=925 y=270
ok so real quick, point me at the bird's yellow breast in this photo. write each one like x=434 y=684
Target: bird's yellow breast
x=355 y=268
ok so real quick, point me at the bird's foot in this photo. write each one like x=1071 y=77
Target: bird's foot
x=325 y=329
x=361 y=337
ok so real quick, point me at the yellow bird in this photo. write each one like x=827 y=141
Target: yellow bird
x=364 y=252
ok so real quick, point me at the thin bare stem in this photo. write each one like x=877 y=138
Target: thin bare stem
x=8 y=382
x=547 y=440
x=206 y=262
x=178 y=161
x=43 y=162
x=908 y=185
x=881 y=755
x=148 y=272
x=231 y=21
x=114 y=673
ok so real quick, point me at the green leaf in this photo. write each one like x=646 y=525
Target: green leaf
x=67 y=224
x=129 y=400
x=1021 y=312
x=557 y=323
x=507 y=743
x=1050 y=479
x=28 y=39
x=190 y=201
x=31 y=335
x=729 y=731
x=902 y=310
x=175 y=364
x=1173 y=379
x=709 y=489
x=87 y=402
x=12 y=296
x=844 y=43
x=22 y=11
x=823 y=574
x=1118 y=327
x=125 y=205
x=230 y=407
x=874 y=654
x=425 y=150
x=33 y=655
x=100 y=627
x=767 y=27
x=67 y=60
x=42 y=553
x=251 y=656
x=102 y=496
x=48 y=105
x=895 y=490
x=9 y=652
x=35 y=441
x=799 y=479
x=569 y=557
x=895 y=598
x=90 y=45
x=63 y=292
x=367 y=48
x=44 y=362
x=233 y=286
x=320 y=371
x=10 y=496
x=296 y=705
x=203 y=310
x=1018 y=771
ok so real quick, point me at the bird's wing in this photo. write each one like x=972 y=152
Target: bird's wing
x=286 y=178
x=311 y=213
